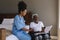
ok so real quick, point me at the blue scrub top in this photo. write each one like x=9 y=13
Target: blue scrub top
x=18 y=24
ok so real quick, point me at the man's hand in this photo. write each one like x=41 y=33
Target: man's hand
x=31 y=30
x=43 y=29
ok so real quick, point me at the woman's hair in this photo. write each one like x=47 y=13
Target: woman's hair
x=21 y=6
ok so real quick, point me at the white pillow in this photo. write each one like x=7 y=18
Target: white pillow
x=8 y=21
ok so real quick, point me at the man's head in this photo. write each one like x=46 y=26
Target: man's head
x=35 y=18
x=22 y=8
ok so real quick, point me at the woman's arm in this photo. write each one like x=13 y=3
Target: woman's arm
x=27 y=29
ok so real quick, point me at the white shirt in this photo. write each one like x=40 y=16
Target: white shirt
x=37 y=27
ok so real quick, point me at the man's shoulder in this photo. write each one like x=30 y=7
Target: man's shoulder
x=40 y=22
x=31 y=22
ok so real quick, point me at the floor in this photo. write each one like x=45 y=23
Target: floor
x=52 y=39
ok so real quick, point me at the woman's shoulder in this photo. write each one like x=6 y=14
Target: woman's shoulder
x=16 y=16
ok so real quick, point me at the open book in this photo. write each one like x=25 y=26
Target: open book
x=46 y=30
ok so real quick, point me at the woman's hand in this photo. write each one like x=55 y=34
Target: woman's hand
x=25 y=29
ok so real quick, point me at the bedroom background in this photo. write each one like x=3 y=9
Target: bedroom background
x=47 y=10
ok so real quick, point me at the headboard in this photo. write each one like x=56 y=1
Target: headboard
x=28 y=17
x=6 y=15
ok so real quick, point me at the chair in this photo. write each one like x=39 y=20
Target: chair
x=33 y=36
x=43 y=34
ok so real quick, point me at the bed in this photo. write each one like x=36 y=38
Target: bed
x=7 y=24
x=5 y=28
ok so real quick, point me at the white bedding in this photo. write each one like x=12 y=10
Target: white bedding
x=7 y=23
x=11 y=37
x=8 y=27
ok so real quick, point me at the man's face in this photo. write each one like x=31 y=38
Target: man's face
x=35 y=18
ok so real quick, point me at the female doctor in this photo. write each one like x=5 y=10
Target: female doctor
x=19 y=29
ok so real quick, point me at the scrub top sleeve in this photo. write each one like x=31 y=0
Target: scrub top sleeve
x=18 y=24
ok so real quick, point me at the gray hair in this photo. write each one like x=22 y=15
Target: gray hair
x=35 y=15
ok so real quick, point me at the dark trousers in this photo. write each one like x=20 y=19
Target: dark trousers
x=44 y=37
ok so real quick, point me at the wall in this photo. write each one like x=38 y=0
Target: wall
x=47 y=10
x=8 y=6
x=58 y=19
